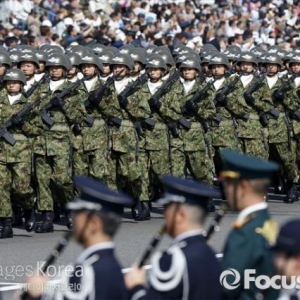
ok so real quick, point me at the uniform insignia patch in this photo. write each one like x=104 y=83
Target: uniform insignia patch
x=269 y=230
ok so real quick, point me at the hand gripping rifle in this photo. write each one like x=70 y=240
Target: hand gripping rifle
x=166 y=87
x=132 y=88
x=44 y=111
x=55 y=253
x=45 y=79
x=4 y=134
x=96 y=96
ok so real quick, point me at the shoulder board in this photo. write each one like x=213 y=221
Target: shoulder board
x=174 y=268
x=241 y=223
x=269 y=230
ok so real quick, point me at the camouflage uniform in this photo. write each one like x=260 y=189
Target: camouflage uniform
x=223 y=134
x=15 y=161
x=190 y=150
x=53 y=146
x=278 y=130
x=123 y=145
x=91 y=145
x=249 y=130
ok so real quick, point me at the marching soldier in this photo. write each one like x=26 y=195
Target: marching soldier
x=91 y=151
x=249 y=130
x=72 y=75
x=105 y=57
x=149 y=159
x=223 y=128
x=123 y=141
x=282 y=146
x=97 y=273
x=29 y=64
x=189 y=268
x=245 y=182
x=139 y=59
x=5 y=64
x=15 y=160
x=192 y=150
x=52 y=144
x=42 y=58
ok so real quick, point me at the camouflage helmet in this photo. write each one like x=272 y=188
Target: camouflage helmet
x=156 y=61
x=5 y=59
x=41 y=55
x=219 y=59
x=75 y=59
x=273 y=59
x=138 y=56
x=15 y=75
x=191 y=62
x=295 y=58
x=105 y=57
x=123 y=59
x=29 y=57
x=14 y=56
x=92 y=59
x=247 y=57
x=58 y=59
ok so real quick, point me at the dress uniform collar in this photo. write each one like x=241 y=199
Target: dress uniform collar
x=92 y=249
x=188 y=234
x=251 y=209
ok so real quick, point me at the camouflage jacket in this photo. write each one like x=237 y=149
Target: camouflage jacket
x=292 y=104
x=277 y=129
x=57 y=139
x=95 y=137
x=123 y=137
x=193 y=139
x=247 y=117
x=21 y=151
x=224 y=133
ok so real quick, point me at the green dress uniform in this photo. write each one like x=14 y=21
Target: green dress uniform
x=248 y=244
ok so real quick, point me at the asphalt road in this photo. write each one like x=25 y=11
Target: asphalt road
x=27 y=251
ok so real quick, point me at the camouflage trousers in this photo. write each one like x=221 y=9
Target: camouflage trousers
x=153 y=164
x=287 y=158
x=95 y=164
x=196 y=162
x=54 y=176
x=15 y=183
x=124 y=173
x=254 y=147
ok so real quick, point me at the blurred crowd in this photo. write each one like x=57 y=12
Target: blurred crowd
x=161 y=22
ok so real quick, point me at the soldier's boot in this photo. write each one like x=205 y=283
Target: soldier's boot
x=47 y=222
x=57 y=211
x=30 y=221
x=137 y=211
x=17 y=216
x=211 y=206
x=69 y=220
x=6 y=230
x=290 y=193
x=146 y=210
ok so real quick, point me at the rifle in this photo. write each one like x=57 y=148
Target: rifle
x=131 y=89
x=4 y=134
x=287 y=83
x=44 y=111
x=229 y=87
x=45 y=79
x=96 y=96
x=166 y=86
